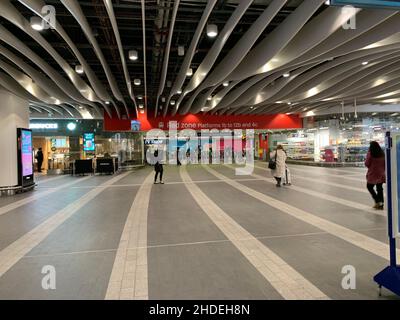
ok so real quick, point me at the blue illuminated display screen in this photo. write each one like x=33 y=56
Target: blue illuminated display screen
x=135 y=125
x=383 y=4
x=88 y=142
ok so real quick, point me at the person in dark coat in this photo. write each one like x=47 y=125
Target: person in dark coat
x=158 y=167
x=39 y=158
x=376 y=175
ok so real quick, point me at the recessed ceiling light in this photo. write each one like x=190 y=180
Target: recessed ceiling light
x=140 y=97
x=37 y=23
x=212 y=30
x=107 y=102
x=286 y=75
x=209 y=98
x=140 y=106
x=133 y=55
x=365 y=63
x=137 y=82
x=226 y=83
x=79 y=69
x=189 y=72
x=172 y=102
x=179 y=91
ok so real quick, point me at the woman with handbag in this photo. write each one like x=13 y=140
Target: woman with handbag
x=277 y=164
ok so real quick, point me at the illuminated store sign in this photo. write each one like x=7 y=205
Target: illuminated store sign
x=46 y=126
x=383 y=4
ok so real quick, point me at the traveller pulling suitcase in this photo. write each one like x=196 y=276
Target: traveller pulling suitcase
x=287 y=178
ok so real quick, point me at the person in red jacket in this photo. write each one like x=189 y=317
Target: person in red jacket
x=376 y=176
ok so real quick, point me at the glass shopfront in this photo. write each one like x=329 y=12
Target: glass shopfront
x=64 y=141
x=334 y=140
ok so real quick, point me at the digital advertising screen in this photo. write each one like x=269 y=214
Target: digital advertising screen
x=26 y=153
x=88 y=142
x=135 y=125
x=395 y=168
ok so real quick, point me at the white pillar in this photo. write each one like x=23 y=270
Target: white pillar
x=14 y=113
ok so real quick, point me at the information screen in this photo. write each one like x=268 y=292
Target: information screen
x=396 y=184
x=88 y=142
x=135 y=125
x=26 y=153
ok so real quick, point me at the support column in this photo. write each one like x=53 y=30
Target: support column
x=14 y=113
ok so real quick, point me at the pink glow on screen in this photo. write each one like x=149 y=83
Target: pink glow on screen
x=26 y=147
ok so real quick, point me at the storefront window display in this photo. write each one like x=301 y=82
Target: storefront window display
x=334 y=140
x=64 y=141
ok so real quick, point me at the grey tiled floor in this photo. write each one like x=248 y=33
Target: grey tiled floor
x=188 y=255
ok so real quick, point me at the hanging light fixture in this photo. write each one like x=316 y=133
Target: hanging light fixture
x=79 y=69
x=179 y=91
x=137 y=82
x=286 y=75
x=209 y=98
x=181 y=51
x=37 y=23
x=107 y=102
x=212 y=30
x=172 y=102
x=226 y=83
x=189 y=72
x=133 y=55
x=140 y=97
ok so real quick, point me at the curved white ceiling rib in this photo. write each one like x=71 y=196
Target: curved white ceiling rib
x=180 y=78
x=74 y=8
x=111 y=16
x=259 y=96
x=344 y=83
x=234 y=94
x=28 y=84
x=13 y=86
x=323 y=71
x=201 y=101
x=45 y=83
x=9 y=12
x=67 y=87
x=36 y=6
x=337 y=76
x=239 y=51
x=302 y=40
x=310 y=79
x=166 y=54
x=212 y=54
x=36 y=76
x=366 y=20
x=274 y=42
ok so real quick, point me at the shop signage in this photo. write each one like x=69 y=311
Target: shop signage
x=382 y=4
x=201 y=121
x=44 y=126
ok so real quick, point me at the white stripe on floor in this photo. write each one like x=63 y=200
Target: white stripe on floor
x=10 y=255
x=129 y=276
x=324 y=196
x=324 y=174
x=374 y=246
x=287 y=281
x=333 y=184
x=37 y=196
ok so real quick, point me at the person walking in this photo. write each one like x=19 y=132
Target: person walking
x=158 y=168
x=376 y=175
x=39 y=158
x=279 y=156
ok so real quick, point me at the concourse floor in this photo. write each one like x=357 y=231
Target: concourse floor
x=208 y=233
